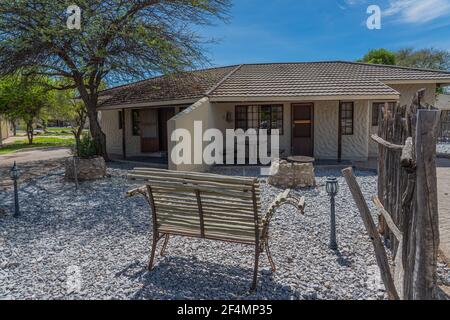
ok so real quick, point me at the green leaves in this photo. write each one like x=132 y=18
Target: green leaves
x=423 y=58
x=379 y=56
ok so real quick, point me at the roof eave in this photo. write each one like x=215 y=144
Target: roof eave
x=302 y=98
x=430 y=81
x=163 y=103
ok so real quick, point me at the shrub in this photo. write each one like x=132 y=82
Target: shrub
x=86 y=147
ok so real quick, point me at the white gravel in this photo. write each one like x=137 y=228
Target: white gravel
x=96 y=236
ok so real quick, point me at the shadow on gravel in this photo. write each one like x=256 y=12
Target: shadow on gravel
x=178 y=278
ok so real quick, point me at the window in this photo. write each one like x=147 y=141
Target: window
x=346 y=114
x=135 y=122
x=259 y=117
x=376 y=107
x=120 y=120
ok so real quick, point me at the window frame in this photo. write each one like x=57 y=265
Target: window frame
x=255 y=117
x=344 y=128
x=135 y=123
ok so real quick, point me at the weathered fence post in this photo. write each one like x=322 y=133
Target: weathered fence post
x=380 y=252
x=425 y=224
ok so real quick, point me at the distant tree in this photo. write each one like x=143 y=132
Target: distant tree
x=72 y=110
x=25 y=98
x=379 y=56
x=424 y=58
x=119 y=40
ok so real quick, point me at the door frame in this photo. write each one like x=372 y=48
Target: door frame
x=311 y=104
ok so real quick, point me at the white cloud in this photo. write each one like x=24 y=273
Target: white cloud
x=418 y=11
x=411 y=11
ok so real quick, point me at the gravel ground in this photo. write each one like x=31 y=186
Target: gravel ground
x=443 y=148
x=94 y=244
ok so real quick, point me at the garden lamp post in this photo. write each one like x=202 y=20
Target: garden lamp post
x=15 y=174
x=332 y=190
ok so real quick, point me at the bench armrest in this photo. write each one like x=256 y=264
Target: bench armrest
x=283 y=198
x=136 y=191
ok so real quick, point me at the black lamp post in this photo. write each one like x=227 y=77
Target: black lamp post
x=15 y=174
x=332 y=189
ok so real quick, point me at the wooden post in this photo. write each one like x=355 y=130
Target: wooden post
x=380 y=252
x=425 y=223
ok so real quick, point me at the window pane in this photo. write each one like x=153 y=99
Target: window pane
x=259 y=117
x=375 y=113
x=241 y=117
x=347 y=118
x=265 y=117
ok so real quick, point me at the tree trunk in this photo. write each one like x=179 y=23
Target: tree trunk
x=14 y=125
x=96 y=132
x=30 y=132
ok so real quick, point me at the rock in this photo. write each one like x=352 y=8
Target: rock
x=87 y=169
x=285 y=174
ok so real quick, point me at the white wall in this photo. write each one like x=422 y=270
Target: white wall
x=443 y=101
x=407 y=92
x=326 y=114
x=199 y=111
x=109 y=121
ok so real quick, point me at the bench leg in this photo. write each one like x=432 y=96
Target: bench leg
x=255 y=271
x=152 y=256
x=166 y=241
x=269 y=256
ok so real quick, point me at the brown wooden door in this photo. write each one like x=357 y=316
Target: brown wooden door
x=148 y=123
x=303 y=129
x=164 y=114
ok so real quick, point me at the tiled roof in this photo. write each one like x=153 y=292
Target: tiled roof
x=337 y=78
x=187 y=85
x=318 y=78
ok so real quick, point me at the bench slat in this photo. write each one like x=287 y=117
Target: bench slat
x=178 y=186
x=219 y=228
x=210 y=235
x=167 y=194
x=197 y=176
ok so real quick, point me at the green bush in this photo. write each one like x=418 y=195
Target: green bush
x=86 y=147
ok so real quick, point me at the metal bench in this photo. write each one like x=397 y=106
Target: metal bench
x=208 y=206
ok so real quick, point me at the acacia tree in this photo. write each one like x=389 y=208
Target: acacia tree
x=424 y=58
x=118 y=40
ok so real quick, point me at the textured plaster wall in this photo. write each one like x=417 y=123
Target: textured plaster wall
x=199 y=111
x=443 y=102
x=326 y=115
x=356 y=146
x=407 y=92
x=109 y=121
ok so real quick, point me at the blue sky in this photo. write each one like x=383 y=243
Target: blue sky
x=316 y=30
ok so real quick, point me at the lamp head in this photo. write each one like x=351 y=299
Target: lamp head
x=332 y=186
x=15 y=173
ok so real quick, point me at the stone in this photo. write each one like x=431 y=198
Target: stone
x=286 y=174
x=87 y=169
